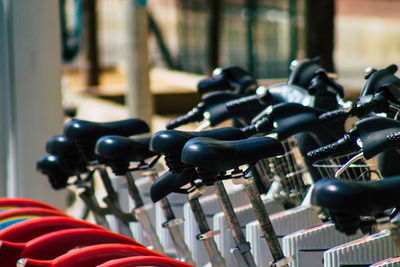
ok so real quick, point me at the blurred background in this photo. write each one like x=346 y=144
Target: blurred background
x=262 y=36
x=105 y=60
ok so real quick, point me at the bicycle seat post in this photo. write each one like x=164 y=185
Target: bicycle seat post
x=172 y=225
x=206 y=235
x=112 y=202
x=242 y=245
x=263 y=219
x=142 y=215
x=87 y=195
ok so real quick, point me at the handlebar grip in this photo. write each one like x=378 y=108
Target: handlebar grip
x=249 y=130
x=263 y=125
x=377 y=104
x=333 y=115
x=213 y=84
x=344 y=145
x=239 y=103
x=393 y=138
x=196 y=114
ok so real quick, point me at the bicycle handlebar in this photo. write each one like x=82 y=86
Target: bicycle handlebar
x=263 y=125
x=320 y=82
x=231 y=78
x=242 y=102
x=334 y=115
x=393 y=138
x=213 y=84
x=378 y=103
x=196 y=114
x=344 y=145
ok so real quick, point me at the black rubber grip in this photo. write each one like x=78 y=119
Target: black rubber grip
x=196 y=114
x=333 y=115
x=393 y=138
x=377 y=104
x=213 y=84
x=342 y=146
x=263 y=125
x=249 y=130
x=239 y=103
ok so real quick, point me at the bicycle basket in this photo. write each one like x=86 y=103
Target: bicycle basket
x=288 y=169
x=348 y=166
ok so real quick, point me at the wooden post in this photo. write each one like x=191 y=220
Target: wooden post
x=138 y=95
x=90 y=41
x=319 y=31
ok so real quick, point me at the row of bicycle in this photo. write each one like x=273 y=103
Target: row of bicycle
x=285 y=140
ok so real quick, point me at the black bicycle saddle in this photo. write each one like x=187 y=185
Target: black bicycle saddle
x=87 y=131
x=170 y=182
x=171 y=142
x=51 y=167
x=60 y=145
x=217 y=155
x=358 y=198
x=67 y=151
x=376 y=135
x=292 y=118
x=119 y=151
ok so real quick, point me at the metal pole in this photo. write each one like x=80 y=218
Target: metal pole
x=263 y=219
x=214 y=32
x=172 y=224
x=165 y=53
x=30 y=50
x=112 y=202
x=6 y=146
x=319 y=31
x=138 y=95
x=206 y=235
x=141 y=214
x=242 y=245
x=250 y=15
